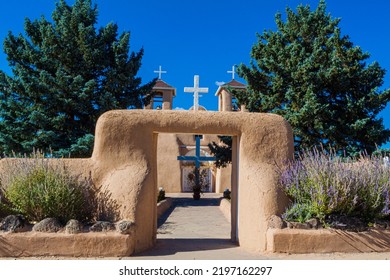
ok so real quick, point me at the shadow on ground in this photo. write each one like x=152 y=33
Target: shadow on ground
x=165 y=247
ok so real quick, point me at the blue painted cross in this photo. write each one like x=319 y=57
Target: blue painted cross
x=197 y=158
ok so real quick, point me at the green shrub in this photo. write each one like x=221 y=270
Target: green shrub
x=299 y=212
x=39 y=190
x=5 y=206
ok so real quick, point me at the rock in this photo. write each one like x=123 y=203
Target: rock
x=102 y=226
x=298 y=225
x=48 y=225
x=338 y=225
x=276 y=222
x=381 y=224
x=73 y=227
x=314 y=223
x=13 y=223
x=125 y=227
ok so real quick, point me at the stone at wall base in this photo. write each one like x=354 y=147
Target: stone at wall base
x=13 y=223
x=73 y=227
x=47 y=225
x=276 y=222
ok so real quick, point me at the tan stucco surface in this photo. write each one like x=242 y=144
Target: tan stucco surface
x=167 y=152
x=223 y=179
x=124 y=162
x=33 y=244
x=300 y=241
x=225 y=206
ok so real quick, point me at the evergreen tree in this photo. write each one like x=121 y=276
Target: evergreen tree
x=222 y=151
x=319 y=81
x=66 y=73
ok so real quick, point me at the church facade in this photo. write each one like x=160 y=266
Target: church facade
x=175 y=152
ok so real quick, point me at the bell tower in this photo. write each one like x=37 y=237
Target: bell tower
x=226 y=101
x=162 y=94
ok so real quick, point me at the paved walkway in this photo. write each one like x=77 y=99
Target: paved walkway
x=198 y=230
x=195 y=230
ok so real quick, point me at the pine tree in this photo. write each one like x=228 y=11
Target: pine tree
x=319 y=81
x=66 y=73
x=222 y=151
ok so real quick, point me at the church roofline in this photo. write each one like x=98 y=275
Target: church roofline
x=232 y=84
x=235 y=84
x=161 y=85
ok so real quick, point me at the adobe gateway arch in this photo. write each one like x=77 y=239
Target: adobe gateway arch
x=124 y=160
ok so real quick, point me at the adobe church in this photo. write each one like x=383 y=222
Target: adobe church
x=177 y=154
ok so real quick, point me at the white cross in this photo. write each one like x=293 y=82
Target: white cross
x=196 y=90
x=233 y=71
x=159 y=71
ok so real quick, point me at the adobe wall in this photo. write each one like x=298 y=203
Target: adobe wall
x=167 y=152
x=124 y=161
x=223 y=179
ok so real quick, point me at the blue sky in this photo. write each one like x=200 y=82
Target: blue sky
x=207 y=37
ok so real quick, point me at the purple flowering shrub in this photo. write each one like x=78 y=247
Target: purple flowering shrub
x=320 y=184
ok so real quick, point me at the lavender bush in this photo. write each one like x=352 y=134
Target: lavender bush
x=320 y=184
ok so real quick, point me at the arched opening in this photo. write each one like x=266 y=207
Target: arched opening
x=156 y=103
x=209 y=229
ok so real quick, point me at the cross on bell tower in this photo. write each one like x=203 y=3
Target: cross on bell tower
x=160 y=71
x=233 y=72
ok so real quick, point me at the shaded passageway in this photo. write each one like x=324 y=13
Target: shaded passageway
x=195 y=230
